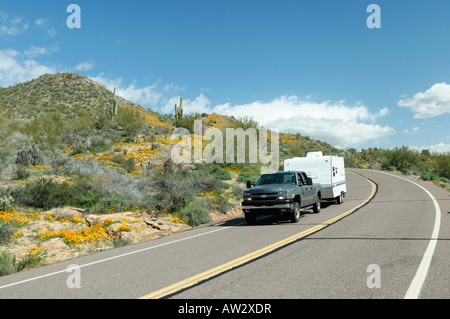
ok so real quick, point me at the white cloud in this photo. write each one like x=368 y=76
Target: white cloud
x=437 y=148
x=33 y=51
x=413 y=131
x=84 y=66
x=40 y=21
x=52 y=33
x=12 y=26
x=13 y=69
x=147 y=96
x=336 y=123
x=433 y=102
x=199 y=105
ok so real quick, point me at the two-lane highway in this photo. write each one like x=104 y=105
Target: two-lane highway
x=377 y=251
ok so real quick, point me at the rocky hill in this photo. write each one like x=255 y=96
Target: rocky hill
x=69 y=94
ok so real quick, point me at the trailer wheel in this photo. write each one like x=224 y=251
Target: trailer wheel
x=340 y=198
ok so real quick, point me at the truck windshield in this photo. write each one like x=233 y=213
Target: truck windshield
x=266 y=179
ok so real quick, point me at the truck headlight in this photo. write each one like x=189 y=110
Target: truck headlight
x=283 y=195
x=247 y=197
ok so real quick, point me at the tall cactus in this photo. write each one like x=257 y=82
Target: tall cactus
x=179 y=112
x=115 y=105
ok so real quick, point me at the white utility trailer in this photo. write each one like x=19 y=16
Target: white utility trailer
x=329 y=171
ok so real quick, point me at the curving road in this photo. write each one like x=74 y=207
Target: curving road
x=389 y=239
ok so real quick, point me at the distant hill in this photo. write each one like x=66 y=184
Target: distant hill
x=70 y=94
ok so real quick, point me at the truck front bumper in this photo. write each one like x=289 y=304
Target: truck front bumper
x=267 y=209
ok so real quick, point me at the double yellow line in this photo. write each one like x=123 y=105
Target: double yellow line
x=254 y=255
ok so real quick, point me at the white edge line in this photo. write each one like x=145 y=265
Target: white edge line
x=419 y=279
x=115 y=257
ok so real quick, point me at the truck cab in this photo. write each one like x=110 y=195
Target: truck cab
x=282 y=194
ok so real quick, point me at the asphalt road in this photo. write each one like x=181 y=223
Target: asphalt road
x=395 y=246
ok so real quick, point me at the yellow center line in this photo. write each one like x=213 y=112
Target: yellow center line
x=254 y=255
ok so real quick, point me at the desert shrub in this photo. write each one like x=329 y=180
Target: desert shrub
x=21 y=172
x=195 y=213
x=223 y=175
x=130 y=119
x=130 y=165
x=428 y=176
x=6 y=232
x=237 y=190
x=188 y=121
x=245 y=123
x=175 y=187
x=46 y=130
x=29 y=155
x=105 y=189
x=443 y=165
x=248 y=176
x=43 y=193
x=402 y=158
x=220 y=203
x=8 y=264
x=83 y=168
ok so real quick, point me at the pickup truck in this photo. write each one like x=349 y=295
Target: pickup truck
x=281 y=194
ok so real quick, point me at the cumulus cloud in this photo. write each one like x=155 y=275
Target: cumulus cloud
x=433 y=102
x=12 y=26
x=52 y=33
x=336 y=123
x=14 y=69
x=412 y=131
x=437 y=148
x=147 y=96
x=34 y=51
x=84 y=66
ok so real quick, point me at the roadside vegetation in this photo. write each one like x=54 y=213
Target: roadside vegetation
x=433 y=167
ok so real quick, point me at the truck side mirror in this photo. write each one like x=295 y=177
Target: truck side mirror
x=249 y=184
x=309 y=181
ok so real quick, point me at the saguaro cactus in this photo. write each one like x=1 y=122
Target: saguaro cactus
x=179 y=112
x=115 y=105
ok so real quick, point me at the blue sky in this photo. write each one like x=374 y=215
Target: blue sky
x=312 y=67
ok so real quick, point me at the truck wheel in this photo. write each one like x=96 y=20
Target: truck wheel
x=296 y=214
x=340 y=198
x=250 y=219
x=316 y=206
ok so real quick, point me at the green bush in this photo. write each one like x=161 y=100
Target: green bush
x=248 y=176
x=224 y=175
x=195 y=214
x=402 y=158
x=130 y=119
x=6 y=232
x=428 y=176
x=443 y=165
x=8 y=264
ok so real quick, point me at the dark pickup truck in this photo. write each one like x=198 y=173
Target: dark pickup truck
x=282 y=194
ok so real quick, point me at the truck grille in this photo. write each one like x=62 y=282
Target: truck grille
x=263 y=197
